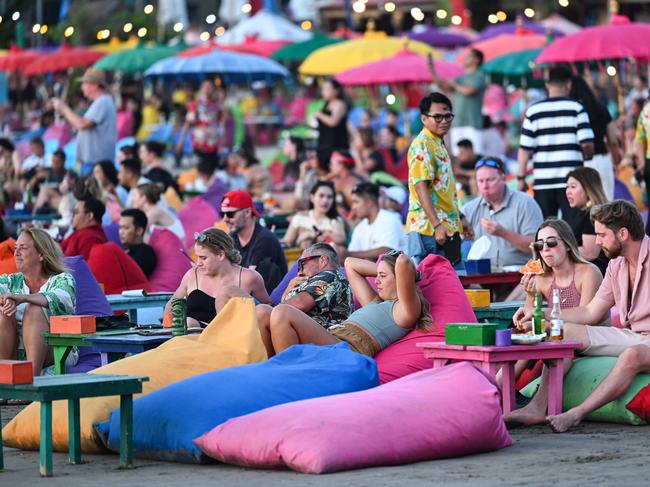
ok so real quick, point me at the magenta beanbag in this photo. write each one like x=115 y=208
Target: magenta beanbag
x=423 y=416
x=196 y=216
x=448 y=304
x=171 y=264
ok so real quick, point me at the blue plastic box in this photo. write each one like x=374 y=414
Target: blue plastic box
x=479 y=266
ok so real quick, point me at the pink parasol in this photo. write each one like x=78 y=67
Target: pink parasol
x=505 y=44
x=620 y=39
x=250 y=46
x=17 y=58
x=404 y=67
x=63 y=58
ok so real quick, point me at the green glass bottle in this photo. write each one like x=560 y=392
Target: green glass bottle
x=539 y=324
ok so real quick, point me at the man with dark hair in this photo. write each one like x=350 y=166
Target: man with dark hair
x=154 y=169
x=433 y=221
x=469 y=89
x=619 y=231
x=379 y=230
x=558 y=135
x=87 y=228
x=133 y=225
x=130 y=177
x=464 y=165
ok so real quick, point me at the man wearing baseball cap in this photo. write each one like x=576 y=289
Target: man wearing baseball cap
x=260 y=249
x=97 y=128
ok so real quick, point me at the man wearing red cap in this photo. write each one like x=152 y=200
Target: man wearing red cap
x=260 y=249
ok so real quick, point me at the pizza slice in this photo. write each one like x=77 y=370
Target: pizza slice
x=533 y=266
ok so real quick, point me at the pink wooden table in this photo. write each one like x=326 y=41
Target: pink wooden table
x=490 y=359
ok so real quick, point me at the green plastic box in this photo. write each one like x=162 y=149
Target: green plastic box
x=472 y=333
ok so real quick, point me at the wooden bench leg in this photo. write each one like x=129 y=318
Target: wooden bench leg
x=60 y=354
x=46 y=439
x=2 y=462
x=74 y=431
x=555 y=383
x=126 y=431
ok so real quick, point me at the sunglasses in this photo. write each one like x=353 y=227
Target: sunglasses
x=301 y=262
x=550 y=243
x=230 y=214
x=439 y=117
x=489 y=163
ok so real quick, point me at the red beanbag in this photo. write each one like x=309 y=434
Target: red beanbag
x=171 y=265
x=196 y=216
x=448 y=304
x=113 y=268
x=640 y=404
x=420 y=417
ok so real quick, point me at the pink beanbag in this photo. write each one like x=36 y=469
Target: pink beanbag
x=196 y=216
x=448 y=304
x=171 y=265
x=420 y=417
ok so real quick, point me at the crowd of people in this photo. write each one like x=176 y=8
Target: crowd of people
x=363 y=202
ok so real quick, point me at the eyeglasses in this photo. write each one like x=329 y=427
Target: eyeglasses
x=550 y=243
x=393 y=253
x=439 y=117
x=301 y=262
x=230 y=214
x=489 y=163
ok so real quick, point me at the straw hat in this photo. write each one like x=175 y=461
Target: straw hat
x=94 y=76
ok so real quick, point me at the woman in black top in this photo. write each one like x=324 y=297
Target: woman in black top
x=332 y=121
x=584 y=190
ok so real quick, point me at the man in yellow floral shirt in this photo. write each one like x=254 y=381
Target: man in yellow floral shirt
x=433 y=222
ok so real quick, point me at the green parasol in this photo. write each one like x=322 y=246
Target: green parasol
x=515 y=68
x=138 y=59
x=299 y=51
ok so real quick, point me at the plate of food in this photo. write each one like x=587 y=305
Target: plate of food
x=527 y=338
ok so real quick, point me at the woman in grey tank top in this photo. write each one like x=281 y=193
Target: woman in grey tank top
x=388 y=312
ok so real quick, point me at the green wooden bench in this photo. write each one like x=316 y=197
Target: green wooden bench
x=72 y=388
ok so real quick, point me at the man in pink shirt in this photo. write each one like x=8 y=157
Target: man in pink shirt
x=620 y=232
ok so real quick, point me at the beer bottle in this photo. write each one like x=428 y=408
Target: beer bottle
x=557 y=323
x=539 y=324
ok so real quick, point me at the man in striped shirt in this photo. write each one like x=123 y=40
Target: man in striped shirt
x=558 y=135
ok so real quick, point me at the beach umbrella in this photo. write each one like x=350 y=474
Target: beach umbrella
x=516 y=27
x=560 y=24
x=17 y=58
x=232 y=67
x=300 y=50
x=506 y=43
x=138 y=59
x=265 y=26
x=331 y=60
x=617 y=40
x=466 y=32
x=404 y=67
x=63 y=58
x=116 y=45
x=515 y=68
x=252 y=46
x=437 y=37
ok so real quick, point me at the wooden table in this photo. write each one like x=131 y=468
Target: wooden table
x=72 y=388
x=500 y=312
x=115 y=347
x=133 y=303
x=490 y=359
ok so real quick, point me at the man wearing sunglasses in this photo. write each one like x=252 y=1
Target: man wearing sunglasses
x=626 y=286
x=433 y=221
x=260 y=249
x=509 y=219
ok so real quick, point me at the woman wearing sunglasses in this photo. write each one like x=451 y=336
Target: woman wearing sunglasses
x=584 y=190
x=387 y=313
x=322 y=223
x=216 y=268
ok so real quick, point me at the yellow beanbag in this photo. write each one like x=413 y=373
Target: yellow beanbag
x=231 y=339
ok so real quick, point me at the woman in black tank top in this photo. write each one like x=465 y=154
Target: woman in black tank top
x=332 y=121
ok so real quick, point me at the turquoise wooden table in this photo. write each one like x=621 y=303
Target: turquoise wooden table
x=133 y=303
x=72 y=388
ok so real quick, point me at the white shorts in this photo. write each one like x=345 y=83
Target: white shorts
x=611 y=341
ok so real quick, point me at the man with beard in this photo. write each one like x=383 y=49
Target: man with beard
x=619 y=231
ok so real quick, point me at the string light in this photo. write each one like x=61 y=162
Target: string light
x=15 y=16
x=529 y=12
x=611 y=70
x=246 y=8
x=501 y=16
x=0 y=19
x=142 y=31
x=563 y=3
x=492 y=19
x=441 y=13
x=148 y=9
x=305 y=24
x=69 y=30
x=43 y=29
x=178 y=26
x=219 y=31
x=128 y=27
x=205 y=36
x=417 y=14
x=389 y=7
x=36 y=28
x=390 y=99
x=359 y=7
x=456 y=20
x=211 y=19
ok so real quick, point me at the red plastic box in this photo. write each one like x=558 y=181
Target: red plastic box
x=16 y=372
x=73 y=324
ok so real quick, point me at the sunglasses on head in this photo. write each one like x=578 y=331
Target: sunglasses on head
x=230 y=214
x=489 y=163
x=439 y=117
x=550 y=243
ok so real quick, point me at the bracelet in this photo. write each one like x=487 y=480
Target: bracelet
x=436 y=226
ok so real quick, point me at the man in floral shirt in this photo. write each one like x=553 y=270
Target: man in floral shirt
x=433 y=221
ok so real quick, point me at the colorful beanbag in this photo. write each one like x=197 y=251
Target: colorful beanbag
x=448 y=304
x=164 y=430
x=420 y=417
x=196 y=216
x=112 y=267
x=585 y=375
x=231 y=339
x=91 y=300
x=171 y=265
x=7 y=260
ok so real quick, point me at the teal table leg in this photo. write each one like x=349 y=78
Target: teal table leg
x=60 y=354
x=74 y=431
x=115 y=356
x=133 y=316
x=2 y=462
x=46 y=439
x=126 y=431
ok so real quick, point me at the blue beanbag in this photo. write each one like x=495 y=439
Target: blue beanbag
x=167 y=420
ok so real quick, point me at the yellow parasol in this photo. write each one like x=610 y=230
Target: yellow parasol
x=373 y=46
x=115 y=45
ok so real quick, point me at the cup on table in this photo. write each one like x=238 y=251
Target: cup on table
x=503 y=338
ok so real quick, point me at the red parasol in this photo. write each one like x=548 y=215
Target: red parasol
x=17 y=58
x=250 y=46
x=505 y=44
x=63 y=58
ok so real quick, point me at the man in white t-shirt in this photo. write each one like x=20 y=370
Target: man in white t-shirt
x=379 y=230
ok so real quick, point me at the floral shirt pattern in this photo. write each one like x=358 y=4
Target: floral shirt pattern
x=429 y=161
x=333 y=296
x=59 y=290
x=643 y=129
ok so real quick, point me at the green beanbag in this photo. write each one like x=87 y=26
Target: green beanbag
x=585 y=375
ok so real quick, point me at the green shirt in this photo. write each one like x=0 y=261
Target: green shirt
x=59 y=290
x=468 y=109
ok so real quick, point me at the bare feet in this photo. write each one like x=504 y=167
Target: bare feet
x=528 y=416
x=565 y=421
